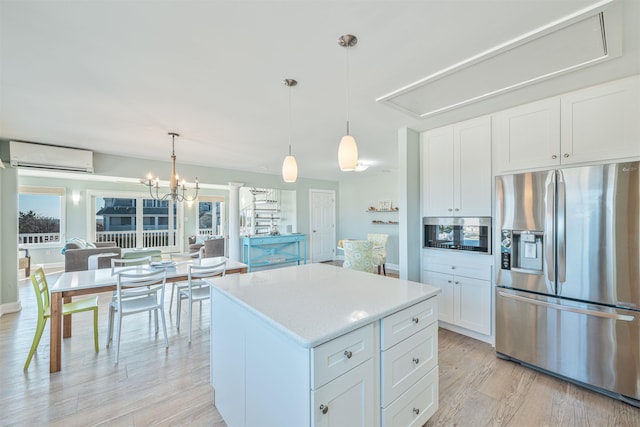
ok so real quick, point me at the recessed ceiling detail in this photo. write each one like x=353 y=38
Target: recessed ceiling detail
x=584 y=38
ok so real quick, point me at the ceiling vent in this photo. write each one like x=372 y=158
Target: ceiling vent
x=50 y=157
x=587 y=37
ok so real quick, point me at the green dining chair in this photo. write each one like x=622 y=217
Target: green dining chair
x=41 y=289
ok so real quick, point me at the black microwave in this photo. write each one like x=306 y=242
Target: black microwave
x=460 y=234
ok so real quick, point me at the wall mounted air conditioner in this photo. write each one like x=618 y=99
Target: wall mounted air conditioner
x=39 y=156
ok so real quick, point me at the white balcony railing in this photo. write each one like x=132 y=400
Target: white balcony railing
x=127 y=239
x=38 y=238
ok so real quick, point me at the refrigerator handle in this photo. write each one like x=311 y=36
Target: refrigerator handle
x=561 y=229
x=549 y=230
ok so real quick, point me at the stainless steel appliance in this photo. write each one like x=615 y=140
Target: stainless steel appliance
x=462 y=234
x=568 y=286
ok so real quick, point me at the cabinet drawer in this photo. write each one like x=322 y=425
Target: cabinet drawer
x=334 y=358
x=407 y=322
x=416 y=405
x=482 y=272
x=406 y=362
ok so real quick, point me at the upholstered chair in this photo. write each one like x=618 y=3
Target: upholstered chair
x=358 y=255
x=379 y=250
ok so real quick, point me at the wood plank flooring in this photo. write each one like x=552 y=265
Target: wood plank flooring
x=155 y=386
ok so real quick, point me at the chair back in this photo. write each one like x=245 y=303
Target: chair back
x=41 y=288
x=184 y=256
x=358 y=255
x=117 y=264
x=379 y=242
x=203 y=271
x=137 y=281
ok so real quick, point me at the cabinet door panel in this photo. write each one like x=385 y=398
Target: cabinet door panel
x=528 y=136
x=416 y=405
x=473 y=304
x=472 y=168
x=601 y=122
x=445 y=299
x=437 y=172
x=347 y=400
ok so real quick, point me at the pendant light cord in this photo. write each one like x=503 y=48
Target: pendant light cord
x=347 y=74
x=290 y=114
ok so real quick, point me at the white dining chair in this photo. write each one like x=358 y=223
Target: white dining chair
x=197 y=288
x=181 y=257
x=138 y=290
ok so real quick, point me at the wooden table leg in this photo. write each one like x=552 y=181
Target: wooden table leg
x=55 y=332
x=66 y=321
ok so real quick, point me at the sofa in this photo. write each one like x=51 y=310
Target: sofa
x=77 y=259
x=212 y=248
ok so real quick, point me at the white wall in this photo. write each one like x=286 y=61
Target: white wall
x=358 y=191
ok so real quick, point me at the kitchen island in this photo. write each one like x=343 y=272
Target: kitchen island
x=318 y=345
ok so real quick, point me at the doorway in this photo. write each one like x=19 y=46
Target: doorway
x=322 y=220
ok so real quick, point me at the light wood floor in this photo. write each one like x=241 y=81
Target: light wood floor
x=154 y=386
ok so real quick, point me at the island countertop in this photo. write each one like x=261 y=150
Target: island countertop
x=315 y=303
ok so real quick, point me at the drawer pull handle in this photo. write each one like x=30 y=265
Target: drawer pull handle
x=416 y=360
x=324 y=409
x=416 y=411
x=415 y=320
x=348 y=354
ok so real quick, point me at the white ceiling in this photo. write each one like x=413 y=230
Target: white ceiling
x=116 y=76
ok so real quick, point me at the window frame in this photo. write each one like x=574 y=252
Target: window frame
x=61 y=192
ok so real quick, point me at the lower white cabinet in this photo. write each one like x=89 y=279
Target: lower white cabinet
x=465 y=280
x=347 y=400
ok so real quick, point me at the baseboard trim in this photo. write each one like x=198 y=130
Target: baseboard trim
x=11 y=307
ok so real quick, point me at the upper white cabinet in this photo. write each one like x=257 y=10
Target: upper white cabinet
x=528 y=136
x=599 y=123
x=456 y=169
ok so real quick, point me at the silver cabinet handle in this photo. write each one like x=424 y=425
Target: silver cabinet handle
x=449 y=209
x=566 y=155
x=453 y=267
x=448 y=281
x=415 y=320
x=324 y=409
x=416 y=411
x=416 y=360
x=456 y=209
x=457 y=283
x=554 y=157
x=348 y=354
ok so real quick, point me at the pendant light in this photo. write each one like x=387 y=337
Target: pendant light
x=348 y=149
x=289 y=166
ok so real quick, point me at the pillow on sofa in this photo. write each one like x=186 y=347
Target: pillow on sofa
x=76 y=243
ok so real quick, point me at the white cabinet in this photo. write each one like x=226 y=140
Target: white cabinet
x=599 y=123
x=528 y=136
x=465 y=280
x=347 y=400
x=409 y=365
x=456 y=169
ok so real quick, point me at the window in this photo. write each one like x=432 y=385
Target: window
x=41 y=216
x=210 y=211
x=135 y=222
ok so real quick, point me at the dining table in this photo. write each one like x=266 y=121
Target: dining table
x=85 y=282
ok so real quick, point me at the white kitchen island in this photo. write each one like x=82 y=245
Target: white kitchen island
x=319 y=345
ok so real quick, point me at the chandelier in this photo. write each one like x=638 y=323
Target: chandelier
x=176 y=189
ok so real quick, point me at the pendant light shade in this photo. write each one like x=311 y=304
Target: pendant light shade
x=348 y=153
x=348 y=149
x=289 y=166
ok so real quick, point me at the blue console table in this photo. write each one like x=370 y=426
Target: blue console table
x=273 y=250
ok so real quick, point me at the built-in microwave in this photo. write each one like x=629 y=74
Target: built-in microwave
x=460 y=234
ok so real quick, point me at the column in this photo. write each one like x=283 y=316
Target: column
x=234 y=218
x=409 y=196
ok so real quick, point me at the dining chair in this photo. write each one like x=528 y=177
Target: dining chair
x=137 y=290
x=120 y=263
x=197 y=288
x=358 y=255
x=41 y=288
x=183 y=256
x=379 y=250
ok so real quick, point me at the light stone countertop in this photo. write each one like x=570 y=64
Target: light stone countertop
x=315 y=303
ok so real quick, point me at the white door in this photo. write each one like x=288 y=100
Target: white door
x=322 y=220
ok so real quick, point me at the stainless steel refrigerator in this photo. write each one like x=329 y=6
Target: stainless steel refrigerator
x=568 y=281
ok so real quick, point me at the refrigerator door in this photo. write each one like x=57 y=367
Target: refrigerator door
x=599 y=234
x=590 y=344
x=525 y=217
